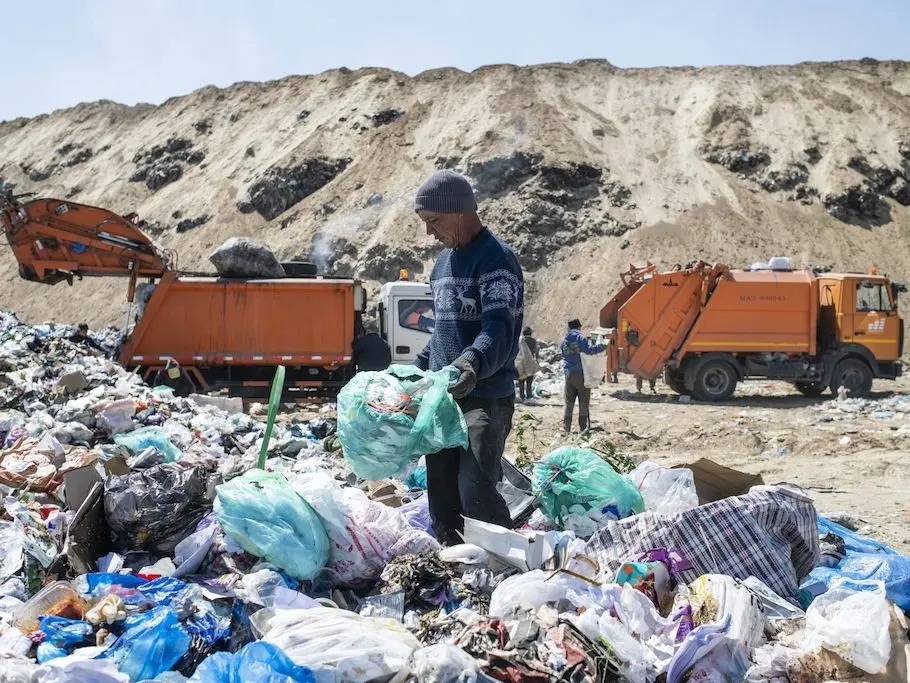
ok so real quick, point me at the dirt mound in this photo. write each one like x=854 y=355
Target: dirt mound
x=582 y=167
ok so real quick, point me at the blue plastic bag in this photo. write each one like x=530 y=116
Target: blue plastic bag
x=46 y=652
x=209 y=627
x=152 y=642
x=866 y=560
x=149 y=437
x=266 y=517
x=417 y=480
x=64 y=633
x=570 y=477
x=388 y=419
x=259 y=662
x=98 y=584
x=164 y=590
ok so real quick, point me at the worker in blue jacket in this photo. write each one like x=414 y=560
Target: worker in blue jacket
x=575 y=344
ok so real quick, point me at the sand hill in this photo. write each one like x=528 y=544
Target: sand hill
x=583 y=167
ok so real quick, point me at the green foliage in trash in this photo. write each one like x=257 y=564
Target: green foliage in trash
x=388 y=419
x=607 y=450
x=527 y=439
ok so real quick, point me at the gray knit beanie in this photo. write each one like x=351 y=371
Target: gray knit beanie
x=446 y=192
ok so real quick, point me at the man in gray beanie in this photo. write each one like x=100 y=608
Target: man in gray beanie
x=478 y=294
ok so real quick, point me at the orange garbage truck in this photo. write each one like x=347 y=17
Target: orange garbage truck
x=199 y=332
x=706 y=328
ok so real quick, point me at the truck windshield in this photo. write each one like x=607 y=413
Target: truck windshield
x=416 y=315
x=872 y=296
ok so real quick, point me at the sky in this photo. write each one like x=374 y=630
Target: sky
x=62 y=52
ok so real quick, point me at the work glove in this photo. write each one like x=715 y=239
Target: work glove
x=466 y=381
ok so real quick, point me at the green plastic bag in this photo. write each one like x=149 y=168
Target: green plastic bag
x=577 y=483
x=148 y=437
x=266 y=517
x=388 y=419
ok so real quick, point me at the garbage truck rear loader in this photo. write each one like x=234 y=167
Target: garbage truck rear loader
x=706 y=328
x=195 y=331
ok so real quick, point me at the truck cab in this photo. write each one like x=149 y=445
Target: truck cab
x=857 y=309
x=406 y=318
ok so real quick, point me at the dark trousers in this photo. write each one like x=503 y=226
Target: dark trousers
x=462 y=481
x=575 y=388
x=524 y=387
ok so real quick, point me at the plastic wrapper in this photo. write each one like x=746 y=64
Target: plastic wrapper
x=727 y=662
x=364 y=534
x=386 y=420
x=444 y=663
x=73 y=669
x=417 y=513
x=12 y=540
x=152 y=642
x=246 y=257
x=593 y=367
x=351 y=647
x=530 y=591
x=117 y=417
x=665 y=491
x=138 y=440
x=156 y=508
x=64 y=633
x=713 y=597
x=263 y=514
x=259 y=662
x=642 y=640
x=853 y=624
x=867 y=561
x=577 y=482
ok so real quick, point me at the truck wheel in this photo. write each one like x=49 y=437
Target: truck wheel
x=674 y=380
x=854 y=375
x=715 y=381
x=810 y=388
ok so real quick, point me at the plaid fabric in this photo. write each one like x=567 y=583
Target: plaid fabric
x=769 y=533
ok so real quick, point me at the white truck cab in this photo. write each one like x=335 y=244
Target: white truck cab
x=406 y=317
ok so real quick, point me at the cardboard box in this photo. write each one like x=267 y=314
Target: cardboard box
x=716 y=482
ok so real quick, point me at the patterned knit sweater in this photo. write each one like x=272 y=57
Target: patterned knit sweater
x=478 y=294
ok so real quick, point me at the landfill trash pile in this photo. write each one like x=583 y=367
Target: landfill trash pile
x=892 y=409
x=549 y=380
x=142 y=543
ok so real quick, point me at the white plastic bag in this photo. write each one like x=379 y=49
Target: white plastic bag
x=665 y=491
x=353 y=647
x=363 y=534
x=532 y=590
x=525 y=363
x=854 y=624
x=76 y=668
x=594 y=367
x=713 y=597
x=444 y=663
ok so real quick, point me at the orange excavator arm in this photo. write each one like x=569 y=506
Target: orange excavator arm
x=56 y=240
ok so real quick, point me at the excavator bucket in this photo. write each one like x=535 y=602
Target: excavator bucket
x=55 y=240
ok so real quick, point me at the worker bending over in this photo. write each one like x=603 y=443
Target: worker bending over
x=80 y=336
x=478 y=290
x=573 y=345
